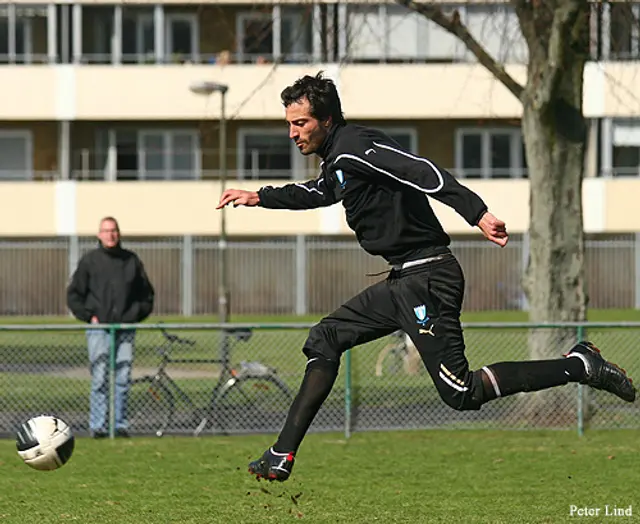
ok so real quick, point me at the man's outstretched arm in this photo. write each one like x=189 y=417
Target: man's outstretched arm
x=303 y=195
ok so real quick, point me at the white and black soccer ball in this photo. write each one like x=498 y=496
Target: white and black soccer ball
x=45 y=442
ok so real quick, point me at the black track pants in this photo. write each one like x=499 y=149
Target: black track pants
x=424 y=301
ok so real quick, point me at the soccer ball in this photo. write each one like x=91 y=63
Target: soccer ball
x=45 y=442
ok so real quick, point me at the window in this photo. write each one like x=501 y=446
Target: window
x=266 y=153
x=259 y=38
x=148 y=154
x=626 y=148
x=138 y=38
x=296 y=34
x=395 y=33
x=406 y=32
x=16 y=155
x=440 y=44
x=624 y=31
x=472 y=154
x=497 y=29
x=490 y=153
x=406 y=137
x=181 y=37
x=168 y=155
x=20 y=50
x=411 y=36
x=255 y=36
x=626 y=160
x=366 y=33
x=97 y=46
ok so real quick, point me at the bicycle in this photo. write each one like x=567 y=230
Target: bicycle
x=399 y=354
x=250 y=391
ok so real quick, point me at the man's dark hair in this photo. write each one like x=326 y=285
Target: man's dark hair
x=321 y=93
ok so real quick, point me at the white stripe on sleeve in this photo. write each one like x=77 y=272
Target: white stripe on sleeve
x=406 y=182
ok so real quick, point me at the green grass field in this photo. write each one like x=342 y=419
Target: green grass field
x=422 y=476
x=405 y=477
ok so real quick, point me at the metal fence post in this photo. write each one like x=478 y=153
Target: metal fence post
x=347 y=394
x=524 y=301
x=73 y=256
x=187 y=275
x=112 y=380
x=300 y=250
x=580 y=333
x=637 y=271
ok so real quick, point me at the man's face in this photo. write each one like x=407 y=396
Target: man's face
x=307 y=132
x=109 y=235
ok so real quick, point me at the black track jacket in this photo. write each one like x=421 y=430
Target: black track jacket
x=112 y=285
x=383 y=189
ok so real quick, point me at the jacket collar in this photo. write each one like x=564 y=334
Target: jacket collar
x=324 y=150
x=115 y=251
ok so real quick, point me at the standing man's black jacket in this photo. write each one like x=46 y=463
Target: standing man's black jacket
x=383 y=190
x=112 y=285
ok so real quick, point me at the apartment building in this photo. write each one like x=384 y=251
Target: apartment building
x=103 y=91
x=104 y=109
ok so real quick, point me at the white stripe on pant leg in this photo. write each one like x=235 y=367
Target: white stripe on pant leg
x=451 y=375
x=493 y=380
x=452 y=384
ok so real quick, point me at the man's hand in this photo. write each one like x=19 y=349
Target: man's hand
x=94 y=320
x=238 y=197
x=494 y=229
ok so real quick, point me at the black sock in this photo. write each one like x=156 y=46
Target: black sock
x=318 y=380
x=507 y=378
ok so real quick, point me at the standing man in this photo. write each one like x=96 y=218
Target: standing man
x=383 y=189
x=110 y=285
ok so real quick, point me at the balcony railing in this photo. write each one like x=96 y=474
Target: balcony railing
x=127 y=175
x=286 y=33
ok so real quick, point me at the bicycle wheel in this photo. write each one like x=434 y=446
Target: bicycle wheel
x=253 y=404
x=151 y=406
x=391 y=359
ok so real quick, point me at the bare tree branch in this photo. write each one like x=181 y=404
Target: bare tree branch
x=561 y=32
x=454 y=26
x=524 y=12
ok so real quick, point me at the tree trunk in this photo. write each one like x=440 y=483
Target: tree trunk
x=555 y=142
x=554 y=130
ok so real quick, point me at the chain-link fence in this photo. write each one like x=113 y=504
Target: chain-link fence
x=199 y=379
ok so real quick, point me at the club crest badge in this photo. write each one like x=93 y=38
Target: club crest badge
x=421 y=314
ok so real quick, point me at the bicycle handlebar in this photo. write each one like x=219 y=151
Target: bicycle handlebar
x=240 y=334
x=176 y=339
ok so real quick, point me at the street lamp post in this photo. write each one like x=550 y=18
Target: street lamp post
x=207 y=88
